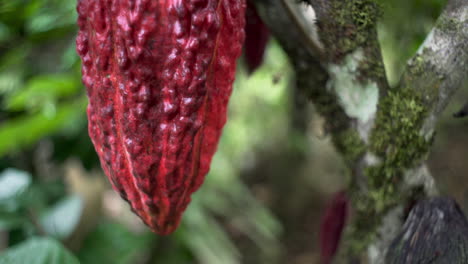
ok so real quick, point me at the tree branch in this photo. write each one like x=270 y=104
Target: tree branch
x=440 y=68
x=383 y=134
x=432 y=76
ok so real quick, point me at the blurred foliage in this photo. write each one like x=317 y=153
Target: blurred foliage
x=38 y=251
x=113 y=243
x=403 y=27
x=43 y=124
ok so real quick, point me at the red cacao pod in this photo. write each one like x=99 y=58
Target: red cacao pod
x=332 y=226
x=158 y=75
x=256 y=38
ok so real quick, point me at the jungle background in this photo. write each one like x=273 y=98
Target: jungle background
x=270 y=180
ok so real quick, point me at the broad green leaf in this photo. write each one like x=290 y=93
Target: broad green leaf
x=61 y=220
x=38 y=251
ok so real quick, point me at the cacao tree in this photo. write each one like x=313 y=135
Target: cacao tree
x=384 y=132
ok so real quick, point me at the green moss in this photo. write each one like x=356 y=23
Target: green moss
x=397 y=142
x=325 y=101
x=350 y=145
x=424 y=77
x=446 y=23
x=417 y=66
x=396 y=136
x=353 y=25
x=372 y=69
x=364 y=13
x=360 y=13
x=358 y=239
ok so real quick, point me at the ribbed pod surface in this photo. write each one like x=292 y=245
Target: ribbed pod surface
x=159 y=74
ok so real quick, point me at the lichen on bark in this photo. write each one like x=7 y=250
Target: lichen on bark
x=398 y=145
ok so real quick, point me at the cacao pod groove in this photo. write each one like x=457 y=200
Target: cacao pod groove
x=158 y=75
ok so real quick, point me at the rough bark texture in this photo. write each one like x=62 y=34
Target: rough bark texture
x=384 y=134
x=436 y=232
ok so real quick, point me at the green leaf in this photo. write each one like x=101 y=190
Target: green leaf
x=51 y=16
x=14 y=57
x=207 y=239
x=14 y=186
x=4 y=33
x=38 y=251
x=61 y=220
x=113 y=243
x=69 y=57
x=42 y=91
x=13 y=183
x=28 y=129
x=10 y=220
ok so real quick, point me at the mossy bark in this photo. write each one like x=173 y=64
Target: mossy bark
x=386 y=133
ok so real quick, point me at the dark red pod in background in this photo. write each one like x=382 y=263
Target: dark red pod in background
x=158 y=75
x=256 y=38
x=332 y=225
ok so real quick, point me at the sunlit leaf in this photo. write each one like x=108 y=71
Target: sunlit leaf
x=61 y=220
x=13 y=183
